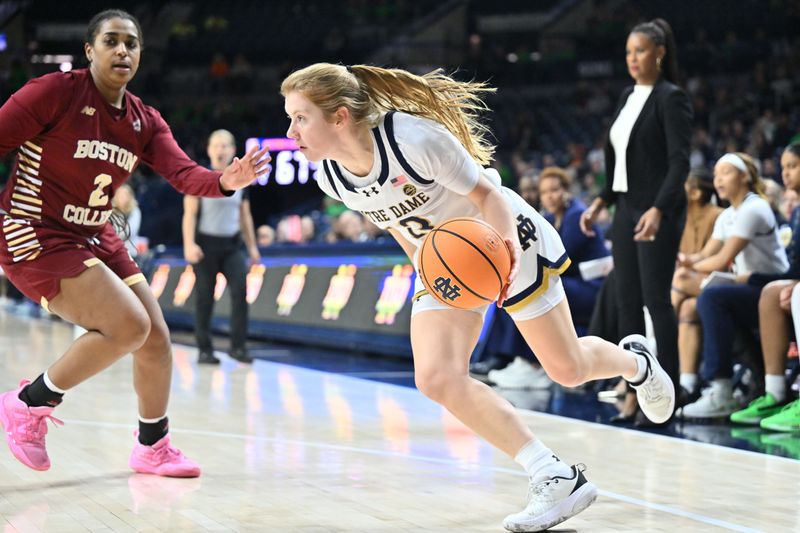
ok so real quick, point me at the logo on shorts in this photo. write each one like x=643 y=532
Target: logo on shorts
x=409 y=190
x=526 y=231
x=448 y=291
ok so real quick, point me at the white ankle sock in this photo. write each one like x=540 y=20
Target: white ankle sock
x=689 y=381
x=776 y=385
x=151 y=420
x=49 y=384
x=540 y=462
x=641 y=369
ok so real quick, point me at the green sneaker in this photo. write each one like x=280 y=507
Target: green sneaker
x=788 y=419
x=759 y=409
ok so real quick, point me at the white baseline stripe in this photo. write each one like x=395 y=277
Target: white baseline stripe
x=686 y=514
x=607 y=427
x=749 y=453
x=369 y=451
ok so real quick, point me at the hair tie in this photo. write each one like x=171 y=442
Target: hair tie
x=349 y=69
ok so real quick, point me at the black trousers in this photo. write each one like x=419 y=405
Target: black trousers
x=643 y=274
x=220 y=254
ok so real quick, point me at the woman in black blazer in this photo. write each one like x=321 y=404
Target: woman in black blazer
x=647 y=161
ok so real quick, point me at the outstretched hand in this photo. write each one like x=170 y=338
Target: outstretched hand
x=242 y=172
x=515 y=251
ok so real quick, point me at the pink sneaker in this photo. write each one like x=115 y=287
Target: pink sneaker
x=162 y=459
x=25 y=428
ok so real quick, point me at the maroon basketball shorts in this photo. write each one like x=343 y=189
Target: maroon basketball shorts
x=36 y=257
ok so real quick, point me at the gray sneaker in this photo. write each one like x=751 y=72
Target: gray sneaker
x=656 y=392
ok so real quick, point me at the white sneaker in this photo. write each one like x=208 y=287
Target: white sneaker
x=520 y=374
x=552 y=501
x=656 y=393
x=714 y=402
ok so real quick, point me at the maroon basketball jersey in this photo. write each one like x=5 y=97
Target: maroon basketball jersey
x=75 y=149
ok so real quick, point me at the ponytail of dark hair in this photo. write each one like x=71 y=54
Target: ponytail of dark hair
x=660 y=32
x=669 y=65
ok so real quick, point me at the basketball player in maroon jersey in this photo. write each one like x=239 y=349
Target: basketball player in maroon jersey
x=80 y=135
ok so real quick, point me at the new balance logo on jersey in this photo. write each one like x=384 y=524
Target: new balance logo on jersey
x=88 y=111
x=369 y=192
x=448 y=291
x=526 y=231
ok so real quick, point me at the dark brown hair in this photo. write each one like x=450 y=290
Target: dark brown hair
x=702 y=180
x=98 y=19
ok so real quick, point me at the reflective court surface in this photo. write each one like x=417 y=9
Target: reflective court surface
x=286 y=448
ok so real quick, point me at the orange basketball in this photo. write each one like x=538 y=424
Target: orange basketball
x=464 y=263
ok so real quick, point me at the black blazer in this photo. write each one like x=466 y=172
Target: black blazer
x=658 y=151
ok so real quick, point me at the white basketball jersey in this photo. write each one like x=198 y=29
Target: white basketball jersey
x=421 y=177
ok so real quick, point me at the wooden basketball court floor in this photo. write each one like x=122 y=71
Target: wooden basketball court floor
x=290 y=449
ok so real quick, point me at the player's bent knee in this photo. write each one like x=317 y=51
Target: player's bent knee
x=770 y=298
x=158 y=344
x=434 y=384
x=570 y=374
x=132 y=331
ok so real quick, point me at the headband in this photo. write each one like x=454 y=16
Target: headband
x=734 y=160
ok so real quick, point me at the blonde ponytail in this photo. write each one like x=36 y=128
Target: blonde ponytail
x=755 y=183
x=369 y=91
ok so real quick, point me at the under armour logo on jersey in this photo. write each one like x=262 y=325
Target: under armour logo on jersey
x=526 y=231
x=88 y=111
x=448 y=291
x=369 y=192
x=137 y=125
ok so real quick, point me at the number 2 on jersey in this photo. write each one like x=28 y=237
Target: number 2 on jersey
x=98 y=196
x=417 y=227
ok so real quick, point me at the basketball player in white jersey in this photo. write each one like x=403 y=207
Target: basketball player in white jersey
x=407 y=152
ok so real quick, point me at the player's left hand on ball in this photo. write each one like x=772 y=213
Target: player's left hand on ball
x=242 y=172
x=515 y=251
